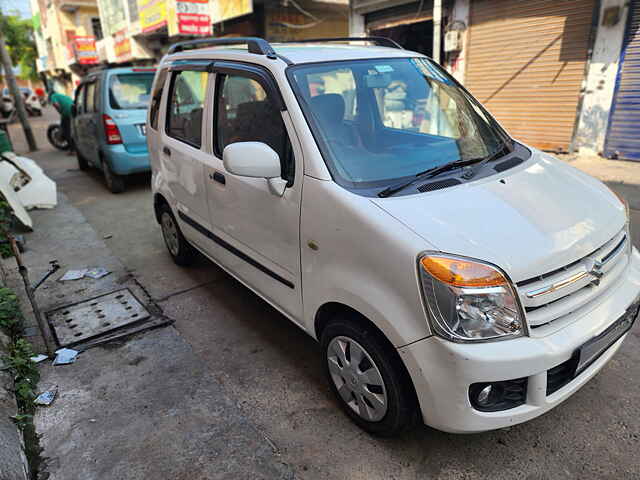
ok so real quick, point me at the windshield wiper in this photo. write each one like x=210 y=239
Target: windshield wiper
x=429 y=173
x=504 y=149
x=432 y=172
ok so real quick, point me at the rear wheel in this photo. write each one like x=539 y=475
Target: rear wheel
x=56 y=138
x=368 y=378
x=180 y=250
x=115 y=183
x=82 y=162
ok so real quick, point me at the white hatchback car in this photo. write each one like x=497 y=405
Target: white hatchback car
x=450 y=273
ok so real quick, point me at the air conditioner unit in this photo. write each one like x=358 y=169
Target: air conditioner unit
x=452 y=41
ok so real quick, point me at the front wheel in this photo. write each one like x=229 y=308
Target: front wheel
x=368 y=378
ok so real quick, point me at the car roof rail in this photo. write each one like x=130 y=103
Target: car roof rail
x=255 y=45
x=380 y=41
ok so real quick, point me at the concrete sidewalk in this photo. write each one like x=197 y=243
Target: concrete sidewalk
x=143 y=407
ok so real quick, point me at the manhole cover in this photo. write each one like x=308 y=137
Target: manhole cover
x=96 y=316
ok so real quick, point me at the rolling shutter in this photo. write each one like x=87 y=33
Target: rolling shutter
x=526 y=63
x=623 y=134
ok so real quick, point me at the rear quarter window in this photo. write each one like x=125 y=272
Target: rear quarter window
x=154 y=108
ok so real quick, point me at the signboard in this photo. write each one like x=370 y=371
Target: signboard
x=122 y=45
x=85 y=50
x=192 y=18
x=222 y=10
x=153 y=14
x=112 y=16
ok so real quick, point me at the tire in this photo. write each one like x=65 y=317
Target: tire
x=115 y=183
x=82 y=162
x=181 y=251
x=388 y=405
x=55 y=137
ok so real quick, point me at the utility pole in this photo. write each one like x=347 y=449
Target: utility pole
x=437 y=30
x=15 y=91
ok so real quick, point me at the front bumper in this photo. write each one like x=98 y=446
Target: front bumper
x=442 y=371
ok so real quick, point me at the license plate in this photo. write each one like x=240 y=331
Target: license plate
x=590 y=351
x=143 y=129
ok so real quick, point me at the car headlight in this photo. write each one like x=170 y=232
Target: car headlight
x=628 y=217
x=469 y=300
x=623 y=201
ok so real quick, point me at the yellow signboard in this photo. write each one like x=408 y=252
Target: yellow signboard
x=153 y=14
x=222 y=10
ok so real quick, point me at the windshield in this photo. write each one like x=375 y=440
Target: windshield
x=131 y=91
x=385 y=119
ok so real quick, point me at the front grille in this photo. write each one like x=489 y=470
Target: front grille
x=562 y=374
x=563 y=291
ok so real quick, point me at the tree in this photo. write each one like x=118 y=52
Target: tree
x=18 y=34
x=10 y=78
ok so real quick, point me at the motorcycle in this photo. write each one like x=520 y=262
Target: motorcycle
x=56 y=137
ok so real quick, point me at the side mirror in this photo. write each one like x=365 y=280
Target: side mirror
x=256 y=160
x=74 y=110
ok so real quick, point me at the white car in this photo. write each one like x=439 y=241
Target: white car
x=450 y=273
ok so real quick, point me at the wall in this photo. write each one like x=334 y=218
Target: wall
x=600 y=82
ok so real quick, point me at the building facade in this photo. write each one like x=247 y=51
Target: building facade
x=546 y=69
x=73 y=36
x=65 y=33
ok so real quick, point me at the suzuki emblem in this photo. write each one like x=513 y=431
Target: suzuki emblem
x=596 y=272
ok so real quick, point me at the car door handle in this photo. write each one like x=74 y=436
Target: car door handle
x=166 y=151
x=218 y=177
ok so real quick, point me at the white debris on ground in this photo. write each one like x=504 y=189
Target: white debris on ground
x=25 y=186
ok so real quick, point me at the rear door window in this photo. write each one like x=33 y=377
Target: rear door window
x=185 y=106
x=130 y=91
x=89 y=101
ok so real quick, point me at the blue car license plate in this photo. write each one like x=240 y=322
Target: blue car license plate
x=591 y=350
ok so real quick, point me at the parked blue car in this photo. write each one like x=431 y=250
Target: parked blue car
x=108 y=126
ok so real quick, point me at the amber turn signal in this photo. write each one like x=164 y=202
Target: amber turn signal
x=462 y=273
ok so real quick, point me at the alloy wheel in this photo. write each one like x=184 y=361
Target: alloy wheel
x=357 y=378
x=170 y=234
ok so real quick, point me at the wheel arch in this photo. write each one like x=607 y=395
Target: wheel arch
x=158 y=201
x=329 y=310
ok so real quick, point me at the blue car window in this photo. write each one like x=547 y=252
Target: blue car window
x=130 y=91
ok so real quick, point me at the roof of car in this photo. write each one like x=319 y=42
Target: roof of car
x=297 y=53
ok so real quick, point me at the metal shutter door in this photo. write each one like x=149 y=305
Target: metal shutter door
x=526 y=63
x=623 y=134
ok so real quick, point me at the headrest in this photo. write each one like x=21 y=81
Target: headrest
x=329 y=107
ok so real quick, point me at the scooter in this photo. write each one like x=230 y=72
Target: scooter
x=7 y=109
x=33 y=105
x=56 y=138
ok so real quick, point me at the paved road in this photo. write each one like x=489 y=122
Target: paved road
x=272 y=370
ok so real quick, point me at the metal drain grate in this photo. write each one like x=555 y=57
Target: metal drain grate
x=94 y=317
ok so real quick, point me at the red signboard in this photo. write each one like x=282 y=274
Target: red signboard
x=85 y=49
x=194 y=24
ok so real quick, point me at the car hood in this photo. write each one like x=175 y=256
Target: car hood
x=529 y=220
